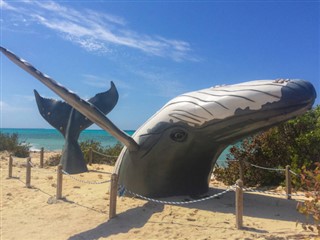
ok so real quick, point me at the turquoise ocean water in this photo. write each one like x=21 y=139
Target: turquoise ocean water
x=52 y=140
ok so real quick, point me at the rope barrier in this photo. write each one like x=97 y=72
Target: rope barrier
x=41 y=169
x=104 y=172
x=123 y=190
x=83 y=181
x=230 y=188
x=104 y=154
x=266 y=168
x=238 y=188
x=297 y=175
x=271 y=193
x=273 y=169
x=31 y=163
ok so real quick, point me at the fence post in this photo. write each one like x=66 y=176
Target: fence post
x=90 y=156
x=239 y=204
x=10 y=167
x=241 y=170
x=41 y=157
x=288 y=182
x=113 y=195
x=28 y=173
x=59 y=182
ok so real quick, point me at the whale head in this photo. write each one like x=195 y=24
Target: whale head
x=180 y=144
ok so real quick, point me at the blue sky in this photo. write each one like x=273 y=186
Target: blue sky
x=152 y=50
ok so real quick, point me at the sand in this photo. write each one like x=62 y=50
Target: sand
x=33 y=213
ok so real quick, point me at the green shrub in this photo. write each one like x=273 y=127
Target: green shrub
x=107 y=154
x=251 y=151
x=90 y=144
x=295 y=143
x=97 y=158
x=11 y=143
x=113 y=152
x=311 y=207
x=54 y=160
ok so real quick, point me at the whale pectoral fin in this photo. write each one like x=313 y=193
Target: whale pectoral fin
x=55 y=112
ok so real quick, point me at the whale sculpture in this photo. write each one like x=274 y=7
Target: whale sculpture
x=173 y=152
x=69 y=122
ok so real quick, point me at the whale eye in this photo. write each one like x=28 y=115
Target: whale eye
x=178 y=135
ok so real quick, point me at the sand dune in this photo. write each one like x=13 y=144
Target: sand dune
x=33 y=213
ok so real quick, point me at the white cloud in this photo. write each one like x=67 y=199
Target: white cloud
x=6 y=107
x=97 y=30
x=29 y=98
x=94 y=81
x=103 y=82
x=166 y=87
x=6 y=6
x=3 y=105
x=89 y=44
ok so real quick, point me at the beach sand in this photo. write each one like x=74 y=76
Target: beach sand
x=33 y=213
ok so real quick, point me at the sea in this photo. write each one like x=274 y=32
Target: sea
x=52 y=139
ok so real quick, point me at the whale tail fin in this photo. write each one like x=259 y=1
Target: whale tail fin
x=70 y=123
x=54 y=112
x=72 y=159
x=57 y=113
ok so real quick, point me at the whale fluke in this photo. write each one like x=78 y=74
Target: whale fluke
x=49 y=108
x=70 y=123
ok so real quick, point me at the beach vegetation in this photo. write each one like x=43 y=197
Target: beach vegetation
x=54 y=160
x=11 y=143
x=101 y=155
x=295 y=143
x=107 y=155
x=310 y=181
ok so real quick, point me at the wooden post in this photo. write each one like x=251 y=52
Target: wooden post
x=10 y=167
x=288 y=182
x=90 y=156
x=59 y=182
x=28 y=173
x=239 y=204
x=41 y=157
x=113 y=195
x=241 y=171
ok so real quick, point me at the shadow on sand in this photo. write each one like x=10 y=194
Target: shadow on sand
x=255 y=205
x=122 y=223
